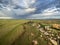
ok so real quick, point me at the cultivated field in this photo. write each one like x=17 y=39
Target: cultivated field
x=29 y=32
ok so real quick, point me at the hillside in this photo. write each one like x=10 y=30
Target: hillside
x=29 y=32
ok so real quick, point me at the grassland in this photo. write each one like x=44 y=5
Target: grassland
x=10 y=30
x=21 y=32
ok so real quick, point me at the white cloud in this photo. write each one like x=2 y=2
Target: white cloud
x=48 y=13
x=1 y=14
x=28 y=7
x=6 y=17
x=23 y=11
x=9 y=9
x=30 y=10
x=6 y=11
x=33 y=1
x=24 y=3
x=28 y=3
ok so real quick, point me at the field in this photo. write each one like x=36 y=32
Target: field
x=29 y=32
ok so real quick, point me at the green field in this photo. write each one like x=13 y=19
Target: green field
x=21 y=32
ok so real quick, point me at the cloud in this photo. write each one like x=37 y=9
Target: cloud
x=36 y=9
x=30 y=10
x=50 y=11
x=6 y=18
x=47 y=14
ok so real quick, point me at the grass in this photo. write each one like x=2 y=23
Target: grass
x=10 y=30
x=16 y=32
x=26 y=38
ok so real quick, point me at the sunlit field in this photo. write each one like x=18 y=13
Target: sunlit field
x=29 y=32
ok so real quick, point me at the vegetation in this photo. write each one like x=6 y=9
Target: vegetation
x=22 y=32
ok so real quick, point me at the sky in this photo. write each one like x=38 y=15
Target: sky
x=29 y=9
